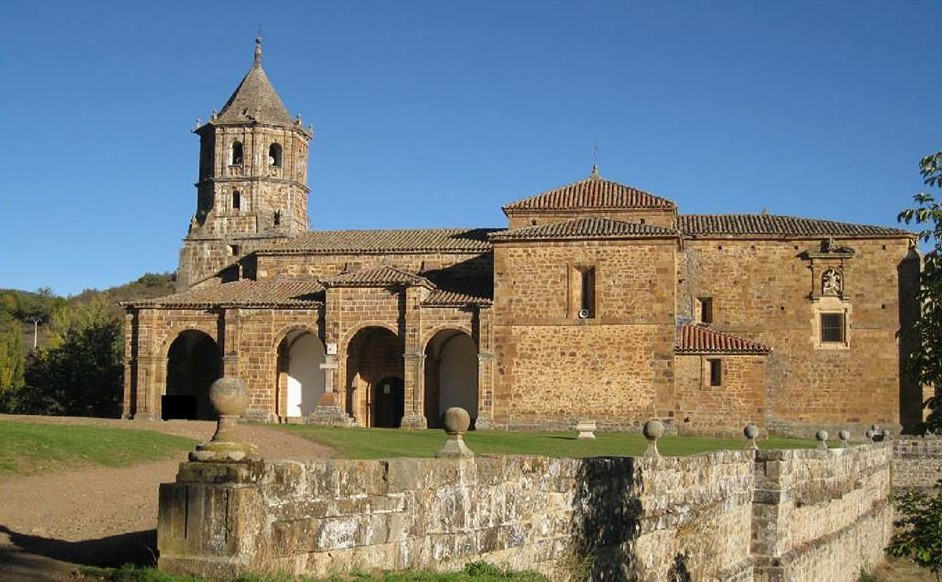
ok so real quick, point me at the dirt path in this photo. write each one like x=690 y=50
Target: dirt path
x=101 y=515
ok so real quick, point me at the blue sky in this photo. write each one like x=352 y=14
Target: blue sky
x=437 y=113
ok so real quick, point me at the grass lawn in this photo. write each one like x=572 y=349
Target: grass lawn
x=32 y=448
x=375 y=443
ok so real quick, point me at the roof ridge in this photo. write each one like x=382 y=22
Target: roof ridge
x=592 y=192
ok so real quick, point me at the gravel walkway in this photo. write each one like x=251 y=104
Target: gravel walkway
x=100 y=515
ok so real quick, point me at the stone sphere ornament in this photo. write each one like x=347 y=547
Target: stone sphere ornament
x=652 y=430
x=456 y=421
x=844 y=436
x=751 y=431
x=822 y=436
x=229 y=396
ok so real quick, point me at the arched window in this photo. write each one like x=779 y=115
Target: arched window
x=236 y=200
x=274 y=155
x=236 y=159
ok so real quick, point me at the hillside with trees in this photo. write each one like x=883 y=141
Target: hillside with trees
x=76 y=366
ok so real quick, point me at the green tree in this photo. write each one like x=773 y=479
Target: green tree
x=919 y=529
x=925 y=362
x=12 y=361
x=80 y=373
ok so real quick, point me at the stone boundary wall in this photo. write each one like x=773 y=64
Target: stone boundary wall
x=707 y=517
x=917 y=462
x=821 y=515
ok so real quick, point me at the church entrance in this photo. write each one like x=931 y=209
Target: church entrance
x=451 y=375
x=300 y=377
x=375 y=393
x=194 y=362
x=388 y=403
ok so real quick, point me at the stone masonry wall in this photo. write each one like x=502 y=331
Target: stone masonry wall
x=917 y=462
x=821 y=515
x=552 y=367
x=762 y=290
x=725 y=409
x=619 y=518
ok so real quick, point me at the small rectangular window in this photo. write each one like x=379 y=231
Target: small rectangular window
x=716 y=372
x=587 y=305
x=832 y=328
x=704 y=309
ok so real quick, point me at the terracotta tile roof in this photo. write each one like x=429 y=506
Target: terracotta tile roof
x=594 y=192
x=378 y=277
x=592 y=227
x=452 y=298
x=706 y=225
x=461 y=240
x=698 y=339
x=246 y=293
x=453 y=291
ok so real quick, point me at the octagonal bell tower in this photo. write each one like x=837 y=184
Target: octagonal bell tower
x=252 y=189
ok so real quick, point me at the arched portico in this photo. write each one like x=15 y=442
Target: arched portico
x=300 y=377
x=194 y=362
x=375 y=377
x=451 y=375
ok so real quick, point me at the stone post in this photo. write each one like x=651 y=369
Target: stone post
x=230 y=398
x=652 y=430
x=456 y=421
x=751 y=432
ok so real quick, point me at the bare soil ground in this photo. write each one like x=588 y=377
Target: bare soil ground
x=103 y=516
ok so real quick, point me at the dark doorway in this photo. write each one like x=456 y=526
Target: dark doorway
x=388 y=403
x=194 y=361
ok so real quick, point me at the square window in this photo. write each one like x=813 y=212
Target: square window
x=832 y=328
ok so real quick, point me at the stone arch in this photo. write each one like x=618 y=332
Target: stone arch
x=451 y=374
x=194 y=362
x=375 y=376
x=300 y=379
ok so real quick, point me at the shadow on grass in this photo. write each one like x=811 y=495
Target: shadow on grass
x=138 y=548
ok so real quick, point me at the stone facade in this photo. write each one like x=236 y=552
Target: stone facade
x=599 y=301
x=727 y=516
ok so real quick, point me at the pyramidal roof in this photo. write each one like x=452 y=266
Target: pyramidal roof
x=255 y=100
x=595 y=192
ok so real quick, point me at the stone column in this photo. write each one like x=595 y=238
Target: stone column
x=413 y=361
x=414 y=388
x=129 y=365
x=487 y=363
x=149 y=389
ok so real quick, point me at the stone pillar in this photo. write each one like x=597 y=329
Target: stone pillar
x=414 y=388
x=487 y=364
x=149 y=388
x=413 y=360
x=129 y=366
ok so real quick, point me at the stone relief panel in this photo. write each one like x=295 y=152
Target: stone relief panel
x=832 y=283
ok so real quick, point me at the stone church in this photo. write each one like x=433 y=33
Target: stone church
x=596 y=300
